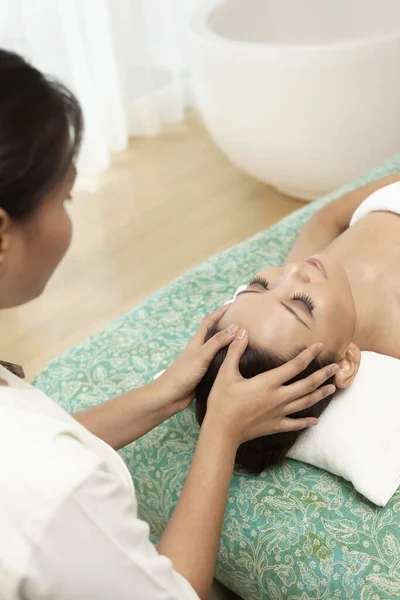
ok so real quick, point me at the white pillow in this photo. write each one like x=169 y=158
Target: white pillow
x=358 y=435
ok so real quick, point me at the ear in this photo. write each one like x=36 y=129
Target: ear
x=5 y=224
x=349 y=364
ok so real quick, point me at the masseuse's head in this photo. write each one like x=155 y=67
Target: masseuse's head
x=283 y=310
x=40 y=131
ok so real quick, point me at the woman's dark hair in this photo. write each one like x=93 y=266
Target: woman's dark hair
x=41 y=127
x=260 y=453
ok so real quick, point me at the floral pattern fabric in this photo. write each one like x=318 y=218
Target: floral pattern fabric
x=293 y=533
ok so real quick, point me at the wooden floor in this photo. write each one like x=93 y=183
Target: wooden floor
x=165 y=205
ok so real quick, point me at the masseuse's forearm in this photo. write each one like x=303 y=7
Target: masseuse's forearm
x=191 y=539
x=126 y=418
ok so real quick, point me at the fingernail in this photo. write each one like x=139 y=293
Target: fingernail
x=331 y=389
x=320 y=346
x=335 y=369
x=241 y=334
x=232 y=329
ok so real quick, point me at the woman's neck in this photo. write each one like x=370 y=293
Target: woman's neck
x=367 y=332
x=370 y=254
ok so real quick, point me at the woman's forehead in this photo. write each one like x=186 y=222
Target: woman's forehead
x=267 y=322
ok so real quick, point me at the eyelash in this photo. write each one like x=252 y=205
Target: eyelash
x=69 y=198
x=260 y=281
x=301 y=297
x=307 y=301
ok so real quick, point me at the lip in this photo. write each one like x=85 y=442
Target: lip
x=314 y=262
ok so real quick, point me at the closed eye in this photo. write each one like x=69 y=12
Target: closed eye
x=306 y=300
x=257 y=279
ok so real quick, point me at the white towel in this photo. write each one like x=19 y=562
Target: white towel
x=239 y=289
x=385 y=199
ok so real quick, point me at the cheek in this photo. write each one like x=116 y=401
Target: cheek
x=271 y=273
x=61 y=233
x=55 y=236
x=338 y=315
x=65 y=232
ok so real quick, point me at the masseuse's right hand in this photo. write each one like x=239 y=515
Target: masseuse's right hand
x=251 y=408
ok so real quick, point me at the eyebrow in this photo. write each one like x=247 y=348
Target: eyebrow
x=288 y=308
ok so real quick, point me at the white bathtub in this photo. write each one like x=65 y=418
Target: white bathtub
x=302 y=94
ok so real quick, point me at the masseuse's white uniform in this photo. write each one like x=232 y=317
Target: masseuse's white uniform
x=68 y=515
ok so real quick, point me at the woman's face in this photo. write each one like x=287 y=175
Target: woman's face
x=30 y=250
x=285 y=308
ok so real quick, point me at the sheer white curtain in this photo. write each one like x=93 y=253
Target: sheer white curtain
x=126 y=61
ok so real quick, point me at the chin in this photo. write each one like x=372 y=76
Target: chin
x=38 y=291
x=334 y=267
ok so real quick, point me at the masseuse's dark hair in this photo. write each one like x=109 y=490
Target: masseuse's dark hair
x=41 y=127
x=256 y=455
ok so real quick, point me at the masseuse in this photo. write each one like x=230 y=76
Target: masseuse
x=68 y=513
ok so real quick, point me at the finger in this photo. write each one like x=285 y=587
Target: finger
x=297 y=364
x=217 y=342
x=309 y=400
x=207 y=322
x=311 y=383
x=288 y=424
x=235 y=353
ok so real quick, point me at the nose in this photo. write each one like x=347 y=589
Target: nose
x=296 y=272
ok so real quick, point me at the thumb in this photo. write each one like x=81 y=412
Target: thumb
x=235 y=353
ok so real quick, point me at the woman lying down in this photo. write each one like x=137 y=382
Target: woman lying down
x=339 y=285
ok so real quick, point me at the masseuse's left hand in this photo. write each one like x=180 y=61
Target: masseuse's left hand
x=180 y=380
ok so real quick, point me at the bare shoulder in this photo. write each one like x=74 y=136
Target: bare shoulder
x=341 y=210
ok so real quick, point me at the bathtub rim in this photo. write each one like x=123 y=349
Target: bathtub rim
x=199 y=32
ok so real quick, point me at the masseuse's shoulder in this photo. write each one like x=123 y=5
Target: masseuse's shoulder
x=42 y=457
x=45 y=463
